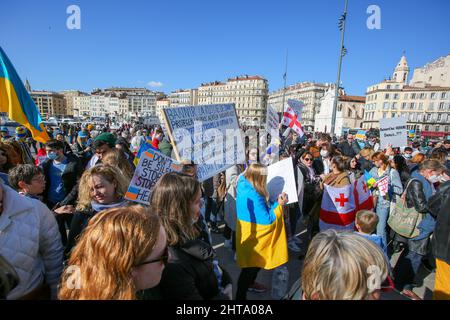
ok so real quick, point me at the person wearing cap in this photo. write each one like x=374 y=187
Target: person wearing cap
x=103 y=143
x=4 y=132
x=82 y=149
x=20 y=144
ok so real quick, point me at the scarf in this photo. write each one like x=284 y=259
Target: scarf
x=97 y=207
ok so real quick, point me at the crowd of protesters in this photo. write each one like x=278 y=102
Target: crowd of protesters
x=67 y=232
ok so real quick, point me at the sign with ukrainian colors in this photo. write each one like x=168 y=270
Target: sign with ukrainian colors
x=208 y=135
x=152 y=166
x=393 y=132
x=360 y=135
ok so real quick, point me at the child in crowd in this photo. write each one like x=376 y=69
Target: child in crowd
x=366 y=224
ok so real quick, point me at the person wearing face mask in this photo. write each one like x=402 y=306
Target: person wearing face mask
x=102 y=187
x=381 y=170
x=322 y=165
x=418 y=191
x=192 y=271
x=407 y=154
x=61 y=173
x=82 y=150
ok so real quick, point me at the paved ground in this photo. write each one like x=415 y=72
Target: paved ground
x=226 y=258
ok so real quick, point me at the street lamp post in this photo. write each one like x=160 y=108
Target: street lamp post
x=342 y=53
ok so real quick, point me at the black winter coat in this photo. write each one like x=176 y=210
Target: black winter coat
x=189 y=274
x=69 y=178
x=439 y=205
x=347 y=150
x=415 y=197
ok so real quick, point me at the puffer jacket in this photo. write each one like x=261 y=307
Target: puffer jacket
x=189 y=274
x=31 y=242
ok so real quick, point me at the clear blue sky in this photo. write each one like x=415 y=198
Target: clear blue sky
x=184 y=43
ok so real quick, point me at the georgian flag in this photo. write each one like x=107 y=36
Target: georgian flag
x=338 y=208
x=363 y=196
x=292 y=116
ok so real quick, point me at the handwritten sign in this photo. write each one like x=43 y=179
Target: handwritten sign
x=393 y=131
x=272 y=120
x=152 y=166
x=208 y=135
x=280 y=178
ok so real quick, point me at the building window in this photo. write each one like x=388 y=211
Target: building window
x=431 y=106
x=396 y=96
x=386 y=105
x=443 y=95
x=446 y=129
x=403 y=105
x=439 y=117
x=384 y=114
x=405 y=96
x=437 y=128
x=441 y=106
x=394 y=105
x=388 y=86
x=413 y=95
x=386 y=96
x=428 y=117
x=420 y=105
x=412 y=106
x=433 y=95
x=427 y=127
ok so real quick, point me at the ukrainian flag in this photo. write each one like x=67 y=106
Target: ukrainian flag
x=17 y=102
x=260 y=234
x=370 y=181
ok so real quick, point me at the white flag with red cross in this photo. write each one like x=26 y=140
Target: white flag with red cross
x=292 y=116
x=338 y=208
x=363 y=196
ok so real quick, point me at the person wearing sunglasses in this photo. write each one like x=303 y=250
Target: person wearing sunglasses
x=121 y=252
x=311 y=192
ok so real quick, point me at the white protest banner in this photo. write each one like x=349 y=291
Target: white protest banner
x=208 y=135
x=272 y=120
x=280 y=178
x=393 y=131
x=152 y=166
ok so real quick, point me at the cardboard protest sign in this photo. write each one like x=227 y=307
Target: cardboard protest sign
x=280 y=178
x=208 y=135
x=152 y=166
x=393 y=131
x=272 y=120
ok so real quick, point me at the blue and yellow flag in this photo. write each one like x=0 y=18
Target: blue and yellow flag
x=370 y=181
x=144 y=147
x=17 y=102
x=260 y=232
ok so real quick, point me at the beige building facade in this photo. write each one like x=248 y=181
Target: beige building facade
x=310 y=93
x=50 y=104
x=426 y=105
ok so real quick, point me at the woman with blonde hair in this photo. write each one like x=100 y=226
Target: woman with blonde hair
x=260 y=234
x=343 y=266
x=101 y=187
x=116 y=158
x=415 y=162
x=191 y=270
x=121 y=251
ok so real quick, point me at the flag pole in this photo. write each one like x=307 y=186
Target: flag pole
x=342 y=52
x=284 y=90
